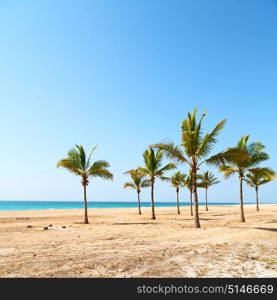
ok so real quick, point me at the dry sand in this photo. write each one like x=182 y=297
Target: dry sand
x=120 y=243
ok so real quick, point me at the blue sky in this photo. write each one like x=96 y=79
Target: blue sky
x=122 y=75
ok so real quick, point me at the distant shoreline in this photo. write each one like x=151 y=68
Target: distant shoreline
x=21 y=205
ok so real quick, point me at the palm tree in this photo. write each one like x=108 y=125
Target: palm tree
x=253 y=155
x=189 y=185
x=79 y=164
x=207 y=180
x=153 y=169
x=196 y=148
x=257 y=177
x=177 y=180
x=138 y=182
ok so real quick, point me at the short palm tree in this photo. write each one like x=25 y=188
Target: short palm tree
x=177 y=180
x=138 y=182
x=78 y=163
x=189 y=185
x=153 y=169
x=257 y=177
x=240 y=164
x=196 y=148
x=207 y=179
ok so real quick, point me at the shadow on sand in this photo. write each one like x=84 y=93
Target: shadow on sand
x=267 y=229
x=142 y=223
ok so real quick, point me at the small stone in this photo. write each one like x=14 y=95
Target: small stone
x=63 y=226
x=29 y=226
x=45 y=228
x=50 y=225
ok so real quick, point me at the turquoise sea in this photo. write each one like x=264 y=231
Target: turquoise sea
x=42 y=205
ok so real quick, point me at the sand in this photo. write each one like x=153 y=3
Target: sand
x=120 y=243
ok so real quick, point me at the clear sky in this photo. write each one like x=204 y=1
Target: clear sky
x=122 y=75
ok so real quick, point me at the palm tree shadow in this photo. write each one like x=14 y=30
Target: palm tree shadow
x=219 y=215
x=168 y=214
x=79 y=223
x=259 y=228
x=131 y=223
x=267 y=229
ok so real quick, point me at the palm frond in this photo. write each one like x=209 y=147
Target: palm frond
x=257 y=158
x=138 y=178
x=242 y=143
x=70 y=165
x=152 y=160
x=82 y=156
x=167 y=167
x=77 y=163
x=209 y=140
x=153 y=163
x=177 y=180
x=259 y=176
x=207 y=179
x=145 y=183
x=89 y=157
x=144 y=171
x=99 y=169
x=230 y=156
x=163 y=178
x=192 y=133
x=99 y=164
x=263 y=172
x=129 y=185
x=102 y=173
x=172 y=152
x=72 y=162
x=255 y=147
x=228 y=170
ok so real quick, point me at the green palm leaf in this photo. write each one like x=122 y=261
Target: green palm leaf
x=209 y=140
x=77 y=163
x=129 y=185
x=172 y=152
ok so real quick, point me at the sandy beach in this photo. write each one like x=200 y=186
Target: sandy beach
x=120 y=243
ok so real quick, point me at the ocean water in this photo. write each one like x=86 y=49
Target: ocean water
x=42 y=205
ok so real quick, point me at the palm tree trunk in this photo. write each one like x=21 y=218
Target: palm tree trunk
x=242 y=219
x=206 y=199
x=85 y=202
x=152 y=200
x=178 y=208
x=139 y=203
x=257 y=198
x=191 y=210
x=196 y=214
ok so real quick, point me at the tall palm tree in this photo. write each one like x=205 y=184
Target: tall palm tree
x=253 y=155
x=78 y=163
x=138 y=182
x=207 y=180
x=153 y=169
x=257 y=177
x=196 y=148
x=177 y=180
